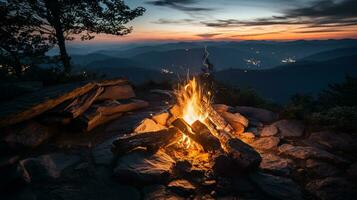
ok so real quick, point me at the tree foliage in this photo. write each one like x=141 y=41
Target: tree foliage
x=61 y=20
x=22 y=43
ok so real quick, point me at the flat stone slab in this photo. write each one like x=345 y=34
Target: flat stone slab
x=143 y=167
x=46 y=167
x=277 y=187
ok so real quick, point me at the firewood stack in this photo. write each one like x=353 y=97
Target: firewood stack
x=85 y=104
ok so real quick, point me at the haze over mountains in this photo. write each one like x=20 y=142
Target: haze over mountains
x=276 y=70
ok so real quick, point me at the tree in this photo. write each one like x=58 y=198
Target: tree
x=21 y=43
x=62 y=20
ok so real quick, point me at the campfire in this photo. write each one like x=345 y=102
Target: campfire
x=194 y=131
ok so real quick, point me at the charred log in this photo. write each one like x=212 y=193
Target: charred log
x=150 y=140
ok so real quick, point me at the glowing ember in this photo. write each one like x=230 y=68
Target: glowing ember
x=189 y=99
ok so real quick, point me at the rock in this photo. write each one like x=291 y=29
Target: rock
x=332 y=188
x=268 y=131
x=235 y=118
x=46 y=167
x=161 y=118
x=266 y=143
x=243 y=156
x=260 y=114
x=102 y=154
x=352 y=171
x=158 y=192
x=303 y=153
x=182 y=187
x=290 y=128
x=332 y=140
x=220 y=108
x=27 y=135
x=276 y=164
x=321 y=169
x=143 y=167
x=277 y=187
x=148 y=125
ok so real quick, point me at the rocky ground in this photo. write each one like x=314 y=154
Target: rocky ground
x=296 y=163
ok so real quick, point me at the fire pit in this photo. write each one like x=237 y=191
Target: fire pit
x=193 y=131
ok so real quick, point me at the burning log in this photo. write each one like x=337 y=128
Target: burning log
x=151 y=140
x=198 y=133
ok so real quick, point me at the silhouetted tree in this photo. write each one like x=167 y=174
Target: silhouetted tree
x=21 y=41
x=61 y=20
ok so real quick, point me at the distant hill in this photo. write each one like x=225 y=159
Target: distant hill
x=331 y=54
x=282 y=82
x=88 y=58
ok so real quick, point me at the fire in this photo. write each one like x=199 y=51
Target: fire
x=189 y=99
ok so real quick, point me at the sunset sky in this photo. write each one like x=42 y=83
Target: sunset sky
x=166 y=20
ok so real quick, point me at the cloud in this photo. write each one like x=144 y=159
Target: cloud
x=320 y=13
x=174 y=21
x=208 y=35
x=183 y=5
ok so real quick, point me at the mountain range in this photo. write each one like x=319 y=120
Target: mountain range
x=276 y=70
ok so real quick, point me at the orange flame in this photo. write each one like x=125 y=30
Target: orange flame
x=189 y=99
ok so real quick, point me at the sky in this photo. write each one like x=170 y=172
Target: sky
x=189 y=20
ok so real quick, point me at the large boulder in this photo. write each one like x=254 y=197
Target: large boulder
x=290 y=128
x=332 y=188
x=27 y=135
x=277 y=187
x=301 y=152
x=46 y=167
x=144 y=167
x=276 y=165
x=260 y=114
